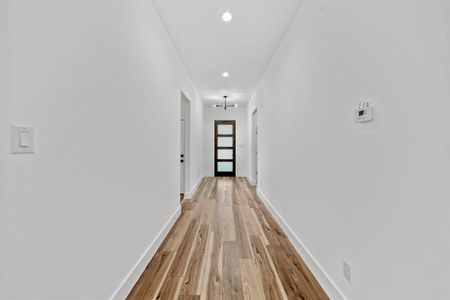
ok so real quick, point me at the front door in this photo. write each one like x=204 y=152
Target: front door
x=225 y=148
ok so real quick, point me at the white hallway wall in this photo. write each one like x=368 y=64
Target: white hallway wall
x=240 y=115
x=100 y=82
x=377 y=194
x=3 y=139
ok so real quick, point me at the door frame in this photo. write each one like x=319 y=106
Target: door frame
x=185 y=115
x=216 y=147
x=254 y=146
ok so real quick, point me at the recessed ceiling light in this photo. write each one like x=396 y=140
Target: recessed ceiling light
x=225 y=74
x=227 y=16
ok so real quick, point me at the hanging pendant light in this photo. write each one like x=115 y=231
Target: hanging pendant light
x=225 y=105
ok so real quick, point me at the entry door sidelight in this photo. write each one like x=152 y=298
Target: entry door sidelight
x=225 y=148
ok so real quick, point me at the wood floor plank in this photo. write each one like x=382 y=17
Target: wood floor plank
x=184 y=251
x=262 y=234
x=193 y=274
x=151 y=280
x=232 y=279
x=250 y=220
x=252 y=280
x=170 y=289
x=266 y=227
x=177 y=234
x=215 y=282
x=206 y=268
x=271 y=286
x=189 y=297
x=226 y=245
x=296 y=284
x=242 y=237
x=224 y=222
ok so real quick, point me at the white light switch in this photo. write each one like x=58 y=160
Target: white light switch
x=22 y=139
x=347 y=270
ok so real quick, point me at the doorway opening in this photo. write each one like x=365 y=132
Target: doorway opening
x=225 y=148
x=254 y=155
x=185 y=111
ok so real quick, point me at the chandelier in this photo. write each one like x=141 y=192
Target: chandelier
x=225 y=105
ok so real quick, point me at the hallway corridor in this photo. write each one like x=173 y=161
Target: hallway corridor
x=226 y=245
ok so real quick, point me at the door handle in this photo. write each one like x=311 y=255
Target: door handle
x=182 y=161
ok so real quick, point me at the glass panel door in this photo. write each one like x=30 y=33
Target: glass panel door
x=225 y=154
x=224 y=141
x=224 y=166
x=225 y=148
x=225 y=129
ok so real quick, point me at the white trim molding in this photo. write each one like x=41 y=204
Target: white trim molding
x=239 y=174
x=191 y=194
x=250 y=181
x=324 y=279
x=132 y=277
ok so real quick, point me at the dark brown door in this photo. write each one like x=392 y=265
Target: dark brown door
x=225 y=148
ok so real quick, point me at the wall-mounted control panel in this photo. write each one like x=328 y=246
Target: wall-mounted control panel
x=364 y=113
x=21 y=139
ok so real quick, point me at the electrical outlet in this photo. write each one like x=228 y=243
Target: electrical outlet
x=347 y=270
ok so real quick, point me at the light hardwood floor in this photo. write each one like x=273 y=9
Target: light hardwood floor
x=226 y=245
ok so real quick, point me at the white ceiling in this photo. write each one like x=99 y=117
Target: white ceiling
x=242 y=47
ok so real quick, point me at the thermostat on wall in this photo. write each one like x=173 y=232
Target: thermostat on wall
x=364 y=113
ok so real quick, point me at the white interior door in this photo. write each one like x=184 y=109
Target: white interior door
x=182 y=155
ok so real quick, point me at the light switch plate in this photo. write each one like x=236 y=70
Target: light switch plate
x=347 y=270
x=364 y=113
x=21 y=139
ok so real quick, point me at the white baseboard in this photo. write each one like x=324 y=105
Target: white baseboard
x=191 y=193
x=130 y=280
x=250 y=181
x=324 y=279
